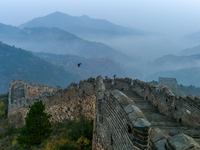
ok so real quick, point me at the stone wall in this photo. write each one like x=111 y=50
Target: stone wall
x=19 y=89
x=183 y=109
x=118 y=122
x=62 y=104
x=161 y=141
x=121 y=124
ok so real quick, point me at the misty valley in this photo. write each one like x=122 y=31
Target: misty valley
x=47 y=50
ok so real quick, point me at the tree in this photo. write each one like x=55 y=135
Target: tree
x=37 y=127
x=15 y=121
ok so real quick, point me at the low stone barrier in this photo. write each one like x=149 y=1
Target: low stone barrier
x=121 y=124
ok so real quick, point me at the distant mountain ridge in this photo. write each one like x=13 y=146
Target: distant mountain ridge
x=190 y=51
x=187 y=76
x=57 y=41
x=193 y=36
x=176 y=60
x=8 y=29
x=89 y=66
x=184 y=68
x=82 y=26
x=16 y=63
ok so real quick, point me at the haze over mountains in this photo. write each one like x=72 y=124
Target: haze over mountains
x=125 y=39
x=193 y=36
x=190 y=51
x=67 y=40
x=54 y=40
x=83 y=26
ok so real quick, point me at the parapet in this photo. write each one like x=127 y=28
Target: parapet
x=22 y=93
x=120 y=123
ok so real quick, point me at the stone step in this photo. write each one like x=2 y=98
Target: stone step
x=166 y=124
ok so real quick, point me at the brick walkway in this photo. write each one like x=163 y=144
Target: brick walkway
x=163 y=122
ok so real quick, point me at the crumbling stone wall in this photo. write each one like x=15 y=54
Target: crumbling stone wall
x=117 y=120
x=62 y=104
x=19 y=89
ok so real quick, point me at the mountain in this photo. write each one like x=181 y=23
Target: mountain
x=184 y=68
x=191 y=51
x=89 y=66
x=193 y=36
x=83 y=26
x=54 y=40
x=187 y=76
x=18 y=63
x=172 y=62
x=8 y=29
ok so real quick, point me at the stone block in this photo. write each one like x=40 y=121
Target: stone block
x=191 y=96
x=157 y=134
x=162 y=123
x=142 y=142
x=160 y=145
x=117 y=94
x=131 y=108
x=173 y=132
x=101 y=86
x=142 y=125
x=182 y=142
x=135 y=115
x=122 y=98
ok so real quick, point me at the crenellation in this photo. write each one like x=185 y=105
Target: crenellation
x=165 y=100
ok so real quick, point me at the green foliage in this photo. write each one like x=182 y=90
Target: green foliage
x=154 y=82
x=3 y=106
x=184 y=90
x=176 y=90
x=37 y=128
x=2 y=112
x=66 y=135
x=73 y=137
x=60 y=138
x=74 y=129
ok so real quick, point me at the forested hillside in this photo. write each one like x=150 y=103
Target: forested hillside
x=16 y=63
x=90 y=67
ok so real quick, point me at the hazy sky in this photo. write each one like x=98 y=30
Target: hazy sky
x=171 y=17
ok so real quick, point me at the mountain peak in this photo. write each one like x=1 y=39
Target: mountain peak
x=82 y=26
x=85 y=16
x=58 y=13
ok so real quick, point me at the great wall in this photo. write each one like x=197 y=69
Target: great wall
x=128 y=114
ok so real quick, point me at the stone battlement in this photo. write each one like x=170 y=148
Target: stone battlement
x=118 y=122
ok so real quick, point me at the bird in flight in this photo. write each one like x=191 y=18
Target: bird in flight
x=79 y=64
